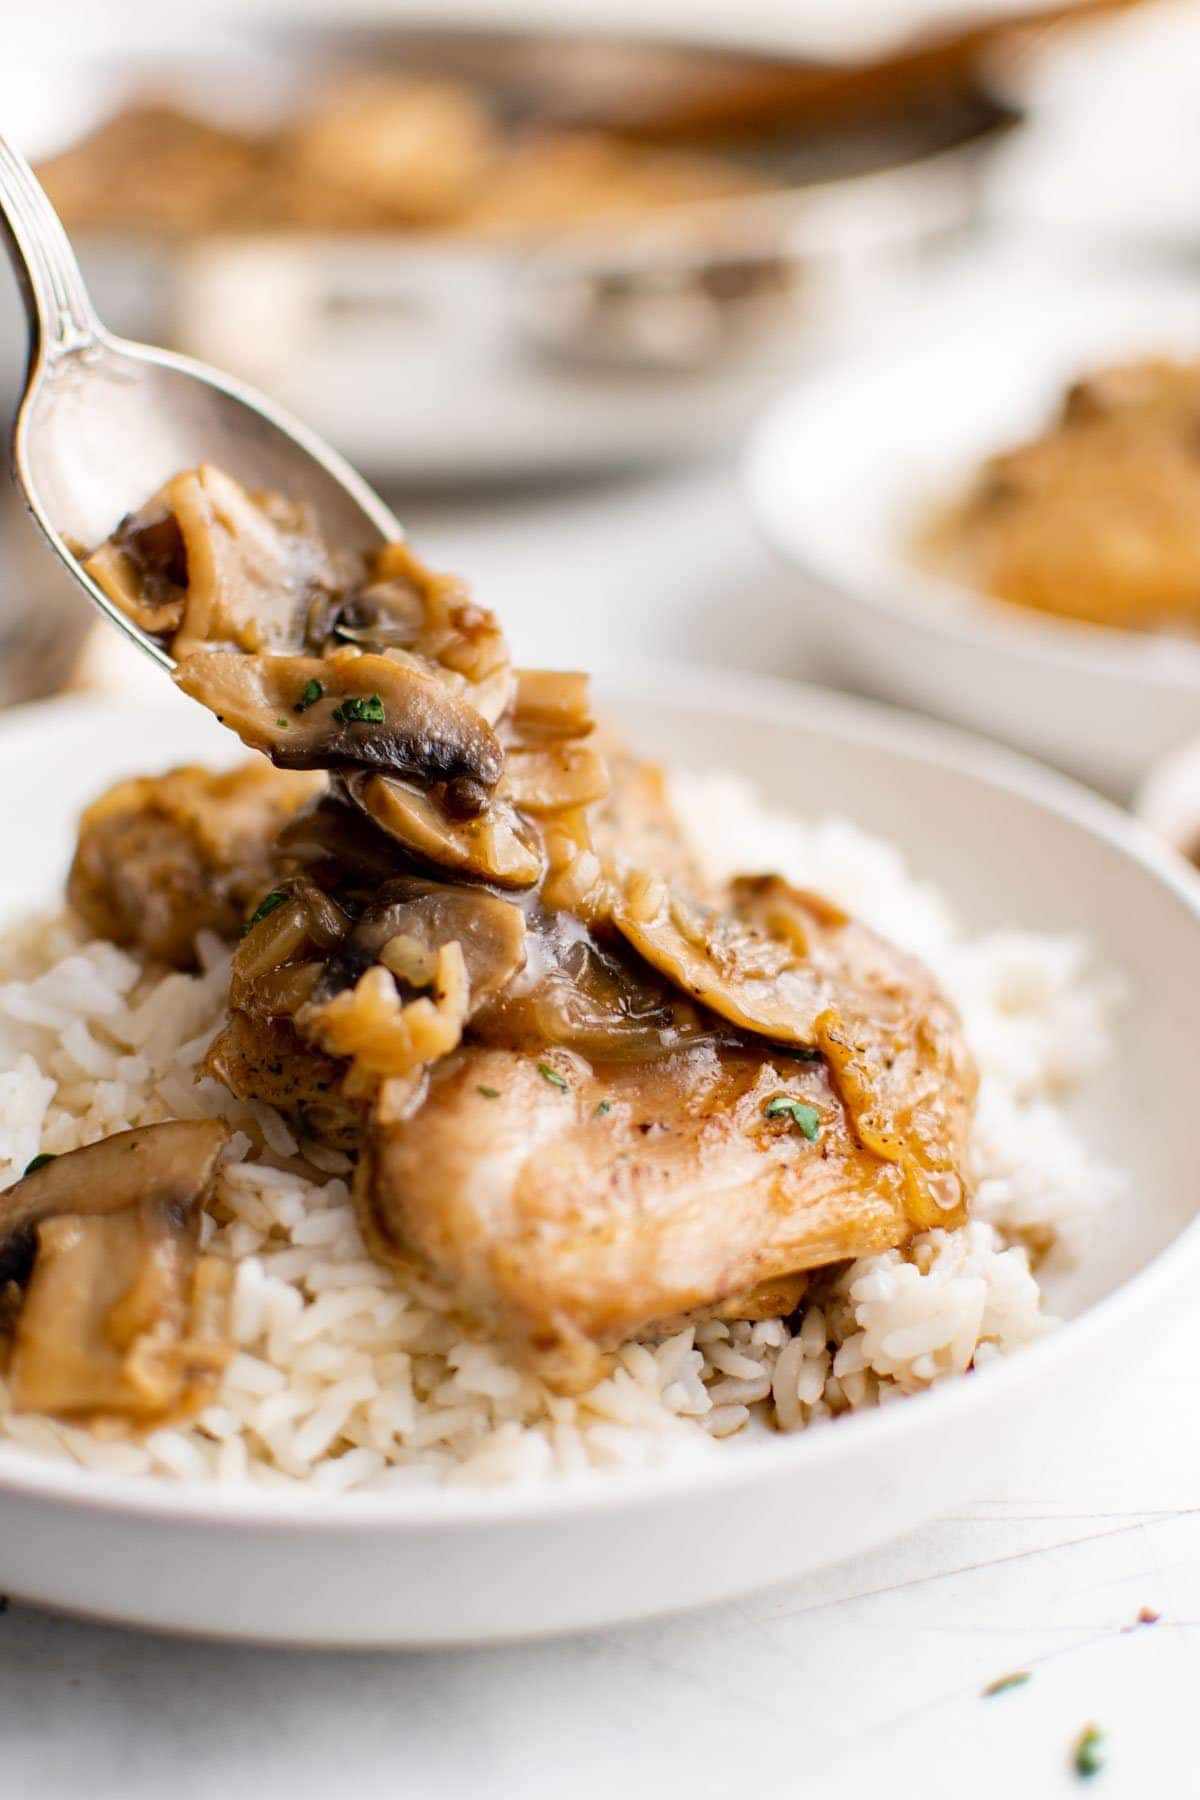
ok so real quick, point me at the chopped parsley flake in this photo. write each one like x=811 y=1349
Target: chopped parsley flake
x=801 y=1052
x=553 y=1077
x=1088 y=1756
x=358 y=710
x=39 y=1162
x=282 y=722
x=264 y=909
x=806 y=1118
x=604 y=1107
x=1004 y=1683
x=488 y=1093
x=312 y=693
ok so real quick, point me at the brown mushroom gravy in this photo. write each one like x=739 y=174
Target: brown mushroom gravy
x=588 y=1092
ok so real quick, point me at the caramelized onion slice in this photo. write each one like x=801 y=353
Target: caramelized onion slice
x=552 y=703
x=546 y=778
x=497 y=846
x=302 y=712
x=406 y=605
x=382 y=1034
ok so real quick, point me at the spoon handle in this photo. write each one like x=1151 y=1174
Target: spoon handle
x=60 y=315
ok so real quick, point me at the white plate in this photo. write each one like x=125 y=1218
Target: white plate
x=1011 y=845
x=841 y=469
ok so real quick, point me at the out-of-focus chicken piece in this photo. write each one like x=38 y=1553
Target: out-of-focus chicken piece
x=393 y=150
x=162 y=857
x=573 y=1205
x=260 y=1058
x=1095 y=518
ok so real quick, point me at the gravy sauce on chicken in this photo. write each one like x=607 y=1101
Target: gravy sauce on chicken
x=589 y=1093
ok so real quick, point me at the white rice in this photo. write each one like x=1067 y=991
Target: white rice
x=348 y=1376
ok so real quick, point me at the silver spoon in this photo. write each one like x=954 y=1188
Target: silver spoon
x=104 y=422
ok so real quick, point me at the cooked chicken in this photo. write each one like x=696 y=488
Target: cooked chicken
x=160 y=858
x=374 y=151
x=258 y=1057
x=1095 y=518
x=120 y=1317
x=574 y=1205
x=591 y=1094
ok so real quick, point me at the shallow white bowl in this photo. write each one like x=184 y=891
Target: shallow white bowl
x=838 y=475
x=1168 y=800
x=1011 y=845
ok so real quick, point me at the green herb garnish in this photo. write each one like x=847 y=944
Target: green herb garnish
x=1088 y=1756
x=553 y=1077
x=312 y=693
x=806 y=1118
x=39 y=1162
x=604 y=1107
x=488 y=1093
x=1004 y=1683
x=282 y=722
x=359 y=711
x=800 y=1052
x=263 y=910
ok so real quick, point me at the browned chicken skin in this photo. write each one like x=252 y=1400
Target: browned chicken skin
x=160 y=858
x=574 y=1216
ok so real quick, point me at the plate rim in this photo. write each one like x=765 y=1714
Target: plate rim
x=938 y=605
x=447 y=1508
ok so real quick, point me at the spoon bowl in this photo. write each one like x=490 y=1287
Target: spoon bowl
x=104 y=422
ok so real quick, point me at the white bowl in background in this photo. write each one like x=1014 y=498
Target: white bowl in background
x=1011 y=845
x=840 y=470
x=1168 y=800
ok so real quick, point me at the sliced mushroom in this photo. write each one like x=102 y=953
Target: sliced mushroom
x=453 y=629
x=740 y=973
x=253 y=563
x=119 y=1313
x=143 y=567
x=498 y=846
x=347 y=711
x=339 y=846
x=408 y=923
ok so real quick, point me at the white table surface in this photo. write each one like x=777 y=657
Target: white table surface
x=864 y=1681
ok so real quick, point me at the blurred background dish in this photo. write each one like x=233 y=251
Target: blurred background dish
x=343 y=210
x=842 y=477
x=537 y=281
